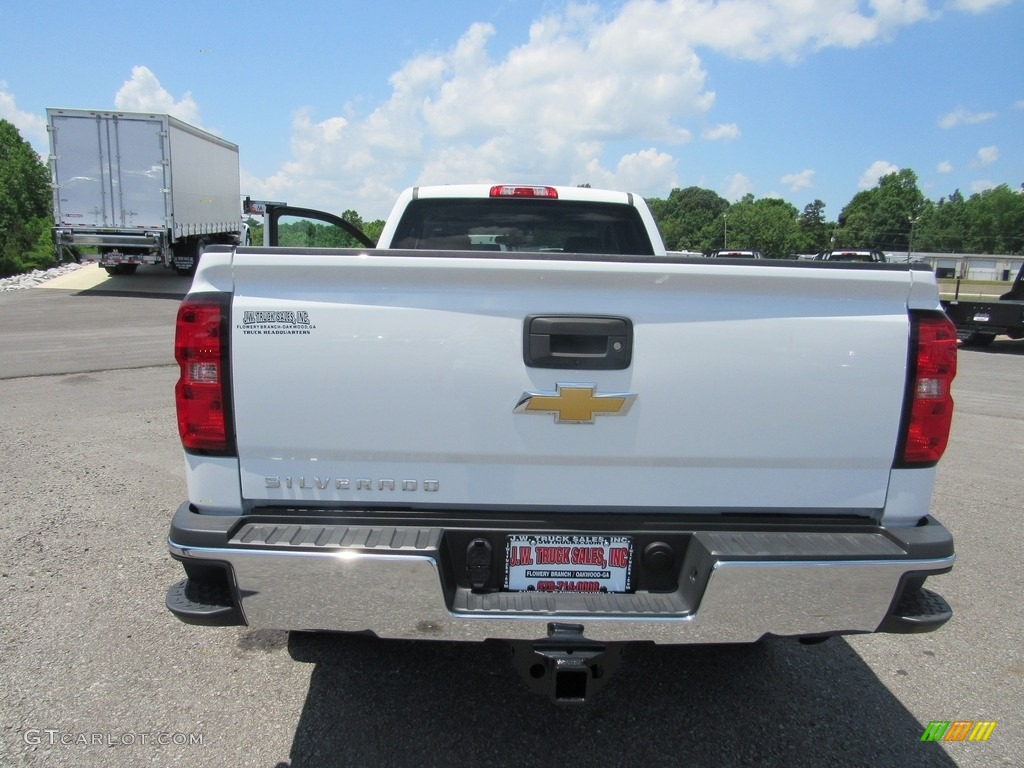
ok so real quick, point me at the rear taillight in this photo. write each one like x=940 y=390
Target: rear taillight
x=928 y=410
x=519 y=190
x=202 y=394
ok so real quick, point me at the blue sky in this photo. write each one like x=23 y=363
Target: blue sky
x=337 y=107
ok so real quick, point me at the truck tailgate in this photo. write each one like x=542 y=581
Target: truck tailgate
x=393 y=379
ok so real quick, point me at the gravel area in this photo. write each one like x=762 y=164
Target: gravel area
x=35 y=277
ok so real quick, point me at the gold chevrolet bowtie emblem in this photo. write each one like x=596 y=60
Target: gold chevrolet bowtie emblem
x=574 y=403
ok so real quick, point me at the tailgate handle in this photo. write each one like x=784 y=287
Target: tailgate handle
x=572 y=342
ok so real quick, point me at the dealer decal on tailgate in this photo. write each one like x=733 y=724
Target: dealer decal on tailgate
x=256 y=322
x=567 y=563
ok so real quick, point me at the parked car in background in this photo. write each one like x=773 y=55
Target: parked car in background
x=868 y=255
x=734 y=254
x=979 y=322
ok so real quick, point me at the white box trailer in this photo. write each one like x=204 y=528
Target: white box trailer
x=142 y=188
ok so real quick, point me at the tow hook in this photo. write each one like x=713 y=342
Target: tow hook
x=566 y=666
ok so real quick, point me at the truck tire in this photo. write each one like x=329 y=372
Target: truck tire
x=979 y=339
x=196 y=251
x=122 y=269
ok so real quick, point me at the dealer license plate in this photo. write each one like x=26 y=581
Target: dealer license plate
x=555 y=562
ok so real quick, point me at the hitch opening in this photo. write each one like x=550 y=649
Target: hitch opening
x=566 y=666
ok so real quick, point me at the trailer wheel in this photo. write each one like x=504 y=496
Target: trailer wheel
x=122 y=269
x=979 y=339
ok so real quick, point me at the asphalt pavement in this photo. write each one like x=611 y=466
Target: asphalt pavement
x=96 y=672
x=71 y=325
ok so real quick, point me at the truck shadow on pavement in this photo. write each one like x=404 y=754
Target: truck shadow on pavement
x=395 y=703
x=144 y=285
x=153 y=281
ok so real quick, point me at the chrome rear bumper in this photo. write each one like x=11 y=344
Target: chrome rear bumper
x=734 y=586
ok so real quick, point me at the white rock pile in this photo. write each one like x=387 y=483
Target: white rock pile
x=35 y=277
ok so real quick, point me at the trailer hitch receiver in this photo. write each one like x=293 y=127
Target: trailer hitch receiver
x=566 y=666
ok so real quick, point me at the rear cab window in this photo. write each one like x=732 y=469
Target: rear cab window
x=502 y=225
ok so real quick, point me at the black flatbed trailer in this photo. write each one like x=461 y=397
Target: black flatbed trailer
x=978 y=322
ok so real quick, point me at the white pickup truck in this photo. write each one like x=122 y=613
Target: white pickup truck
x=517 y=418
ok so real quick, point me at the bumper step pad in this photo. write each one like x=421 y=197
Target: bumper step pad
x=208 y=604
x=920 y=610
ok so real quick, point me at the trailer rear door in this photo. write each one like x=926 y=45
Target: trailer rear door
x=109 y=171
x=140 y=169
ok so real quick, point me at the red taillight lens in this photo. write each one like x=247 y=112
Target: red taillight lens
x=518 y=190
x=201 y=394
x=930 y=400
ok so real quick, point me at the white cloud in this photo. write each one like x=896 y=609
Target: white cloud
x=987 y=155
x=723 y=132
x=875 y=172
x=961 y=116
x=977 y=6
x=31 y=127
x=142 y=92
x=736 y=186
x=786 y=28
x=648 y=172
x=797 y=181
x=944 y=167
x=569 y=81
x=550 y=110
x=981 y=185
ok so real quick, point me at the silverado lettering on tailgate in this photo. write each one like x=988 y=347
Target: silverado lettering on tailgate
x=348 y=484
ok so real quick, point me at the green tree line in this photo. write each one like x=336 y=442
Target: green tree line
x=310 y=234
x=26 y=206
x=892 y=216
